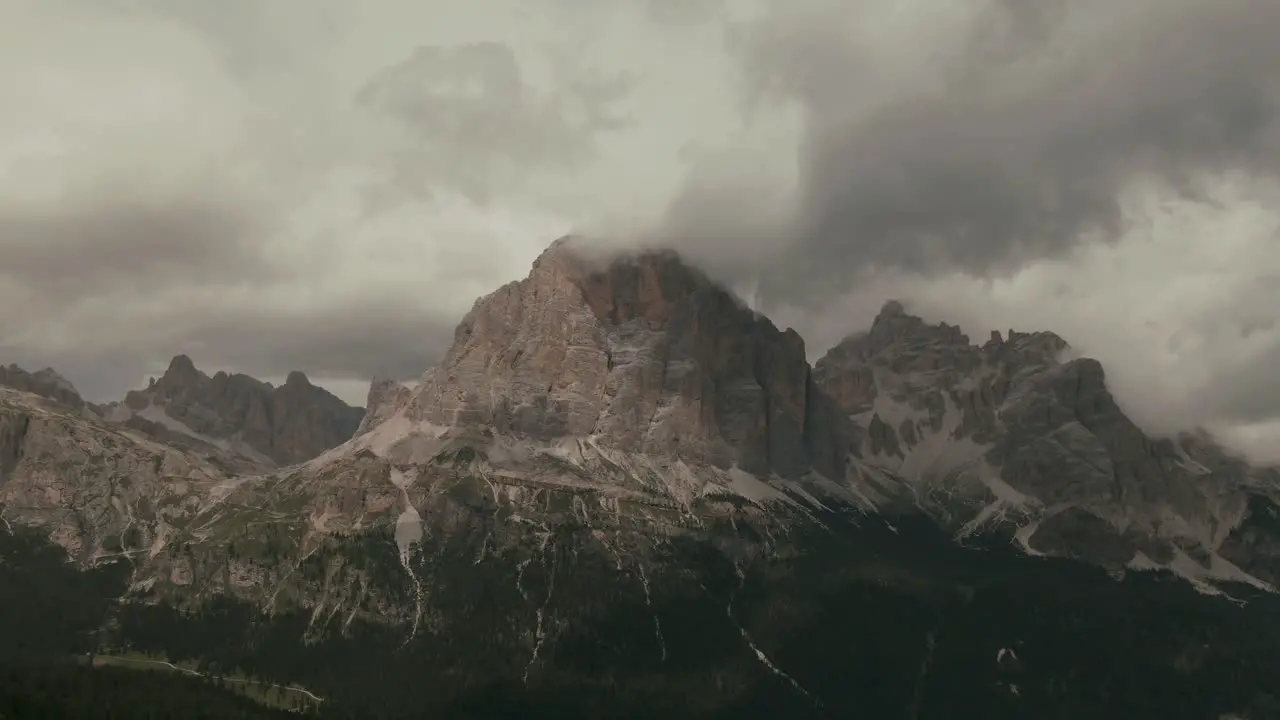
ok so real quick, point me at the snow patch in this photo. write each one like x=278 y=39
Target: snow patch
x=1142 y=563
x=408 y=534
x=752 y=488
x=408 y=529
x=800 y=490
x=1023 y=537
x=850 y=492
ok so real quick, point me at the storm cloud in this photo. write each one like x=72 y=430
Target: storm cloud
x=1003 y=135
x=267 y=189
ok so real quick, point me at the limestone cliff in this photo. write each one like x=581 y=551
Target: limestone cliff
x=642 y=354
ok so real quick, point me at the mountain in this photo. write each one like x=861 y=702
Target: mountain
x=1019 y=433
x=103 y=480
x=274 y=425
x=635 y=398
x=45 y=383
x=98 y=489
x=646 y=359
x=623 y=493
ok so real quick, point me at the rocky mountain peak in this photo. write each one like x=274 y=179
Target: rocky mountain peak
x=641 y=352
x=906 y=345
x=1018 y=431
x=297 y=379
x=181 y=373
x=47 y=383
x=895 y=325
x=283 y=425
x=616 y=288
x=53 y=377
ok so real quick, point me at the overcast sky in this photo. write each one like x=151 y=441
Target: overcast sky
x=329 y=185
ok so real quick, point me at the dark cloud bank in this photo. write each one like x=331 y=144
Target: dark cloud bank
x=1040 y=121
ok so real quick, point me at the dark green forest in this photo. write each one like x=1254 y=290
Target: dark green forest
x=52 y=616
x=864 y=623
x=72 y=691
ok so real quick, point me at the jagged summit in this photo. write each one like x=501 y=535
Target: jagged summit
x=1017 y=432
x=182 y=366
x=181 y=373
x=910 y=343
x=890 y=309
x=283 y=425
x=640 y=353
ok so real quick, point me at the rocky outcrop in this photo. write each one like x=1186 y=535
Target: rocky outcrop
x=386 y=397
x=1255 y=542
x=97 y=488
x=287 y=424
x=643 y=354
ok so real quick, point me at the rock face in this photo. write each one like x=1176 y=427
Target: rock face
x=97 y=488
x=386 y=397
x=643 y=355
x=1018 y=432
x=286 y=424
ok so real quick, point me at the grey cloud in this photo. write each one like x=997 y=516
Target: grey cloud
x=249 y=36
x=352 y=341
x=115 y=281
x=1250 y=392
x=99 y=377
x=1005 y=30
x=1248 y=387
x=663 y=13
x=474 y=122
x=74 y=253
x=1027 y=147
x=973 y=147
x=678 y=12
x=357 y=341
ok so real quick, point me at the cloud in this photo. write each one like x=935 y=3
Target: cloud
x=329 y=186
x=472 y=121
x=1008 y=133
x=271 y=189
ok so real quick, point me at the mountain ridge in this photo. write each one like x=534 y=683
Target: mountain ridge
x=622 y=485
x=922 y=416
x=277 y=425
x=1025 y=432
x=644 y=355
